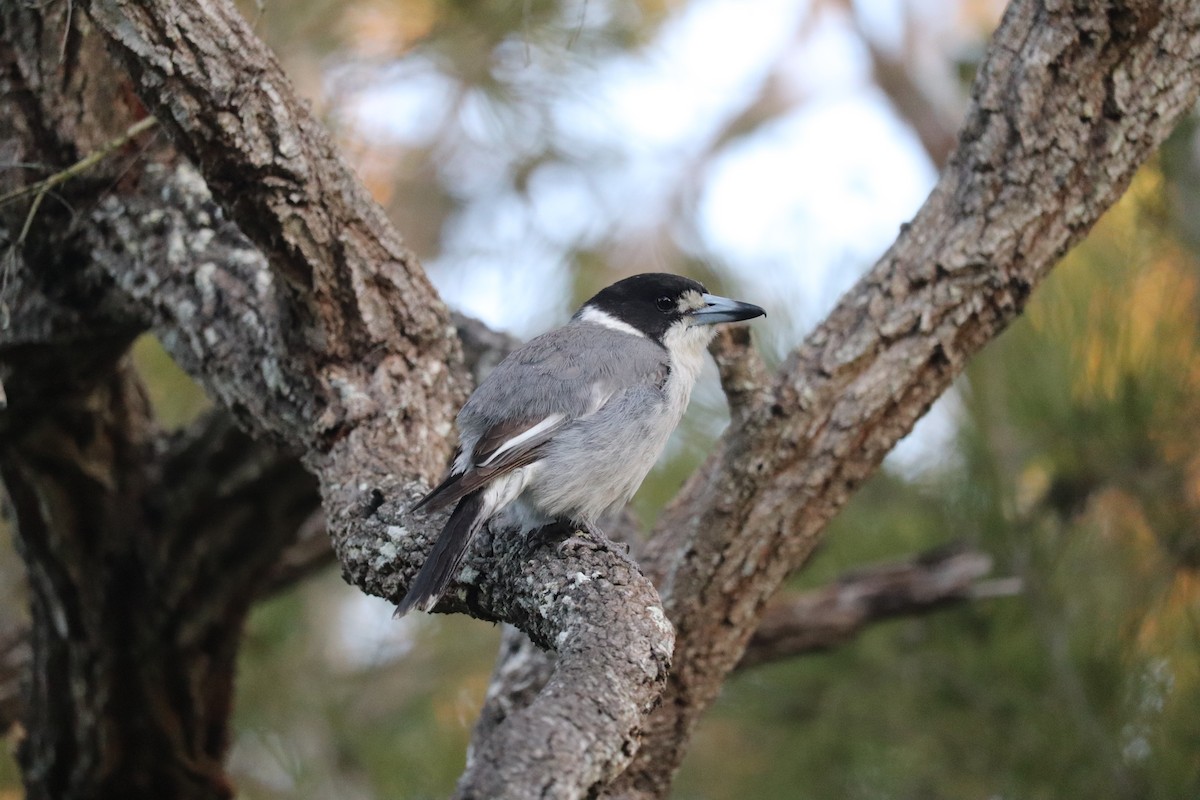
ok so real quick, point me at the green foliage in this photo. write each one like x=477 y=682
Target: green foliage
x=321 y=715
x=174 y=396
x=1075 y=467
x=10 y=774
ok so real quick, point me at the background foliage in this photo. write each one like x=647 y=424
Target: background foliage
x=1069 y=451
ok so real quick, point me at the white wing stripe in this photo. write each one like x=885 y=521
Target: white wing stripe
x=524 y=436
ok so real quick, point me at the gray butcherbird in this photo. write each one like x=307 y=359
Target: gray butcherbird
x=567 y=426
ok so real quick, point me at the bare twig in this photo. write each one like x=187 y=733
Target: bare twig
x=830 y=616
x=81 y=166
x=744 y=378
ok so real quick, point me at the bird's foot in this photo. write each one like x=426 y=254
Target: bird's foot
x=581 y=533
x=570 y=533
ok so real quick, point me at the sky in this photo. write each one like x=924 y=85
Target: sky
x=799 y=208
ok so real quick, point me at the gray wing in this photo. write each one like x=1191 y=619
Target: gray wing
x=556 y=378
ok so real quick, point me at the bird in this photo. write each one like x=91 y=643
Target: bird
x=567 y=426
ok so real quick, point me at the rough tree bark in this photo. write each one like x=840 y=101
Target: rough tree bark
x=133 y=657
x=299 y=357
x=142 y=550
x=338 y=347
x=1069 y=100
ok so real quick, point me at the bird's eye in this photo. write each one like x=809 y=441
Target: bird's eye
x=665 y=304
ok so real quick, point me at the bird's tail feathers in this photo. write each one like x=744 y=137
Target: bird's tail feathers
x=446 y=556
x=437 y=496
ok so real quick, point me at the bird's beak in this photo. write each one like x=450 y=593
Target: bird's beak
x=721 y=309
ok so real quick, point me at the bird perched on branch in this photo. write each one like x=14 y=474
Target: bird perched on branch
x=569 y=425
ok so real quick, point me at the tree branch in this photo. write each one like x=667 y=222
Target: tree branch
x=339 y=347
x=309 y=550
x=828 y=617
x=745 y=380
x=1068 y=102
x=358 y=327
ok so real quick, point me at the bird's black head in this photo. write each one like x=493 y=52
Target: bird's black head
x=653 y=302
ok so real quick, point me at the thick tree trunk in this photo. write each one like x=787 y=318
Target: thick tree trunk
x=142 y=564
x=143 y=550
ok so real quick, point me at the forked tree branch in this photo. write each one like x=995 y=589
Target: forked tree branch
x=339 y=348
x=1068 y=102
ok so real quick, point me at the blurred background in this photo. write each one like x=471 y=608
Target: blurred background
x=532 y=151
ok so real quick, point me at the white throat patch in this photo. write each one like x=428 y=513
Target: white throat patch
x=686 y=345
x=597 y=317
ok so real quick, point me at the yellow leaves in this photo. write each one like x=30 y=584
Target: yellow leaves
x=376 y=165
x=1171 y=622
x=459 y=705
x=1145 y=325
x=1126 y=304
x=383 y=29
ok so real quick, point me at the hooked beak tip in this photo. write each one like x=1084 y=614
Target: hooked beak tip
x=719 y=309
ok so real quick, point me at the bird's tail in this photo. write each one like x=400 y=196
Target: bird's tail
x=447 y=555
